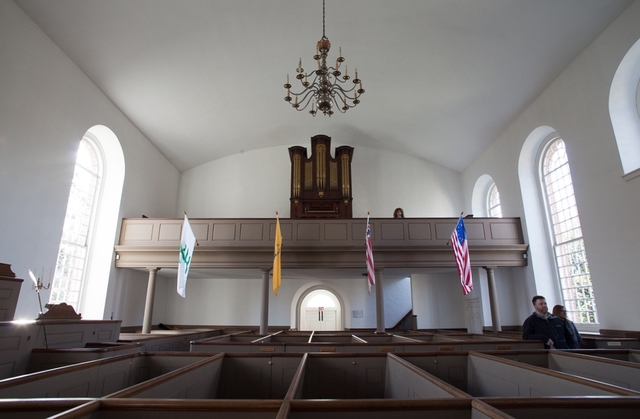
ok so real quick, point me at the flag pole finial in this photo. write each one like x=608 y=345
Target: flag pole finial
x=461 y=213
x=276 y=213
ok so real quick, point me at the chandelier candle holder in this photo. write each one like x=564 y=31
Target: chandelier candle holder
x=39 y=285
x=329 y=88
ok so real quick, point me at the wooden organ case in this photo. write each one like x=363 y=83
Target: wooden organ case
x=321 y=185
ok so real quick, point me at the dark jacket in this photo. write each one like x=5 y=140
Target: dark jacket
x=536 y=327
x=575 y=335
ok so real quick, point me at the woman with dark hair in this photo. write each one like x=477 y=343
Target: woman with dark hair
x=561 y=312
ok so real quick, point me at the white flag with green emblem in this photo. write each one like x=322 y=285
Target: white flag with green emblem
x=187 y=243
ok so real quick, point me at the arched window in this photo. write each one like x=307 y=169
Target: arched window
x=493 y=201
x=85 y=257
x=74 y=250
x=624 y=110
x=566 y=233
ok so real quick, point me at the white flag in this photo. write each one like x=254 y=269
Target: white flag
x=187 y=243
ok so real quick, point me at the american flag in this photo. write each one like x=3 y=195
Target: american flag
x=371 y=273
x=461 y=252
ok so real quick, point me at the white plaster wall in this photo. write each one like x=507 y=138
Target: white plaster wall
x=256 y=184
x=216 y=301
x=576 y=105
x=238 y=301
x=438 y=301
x=46 y=105
x=397 y=299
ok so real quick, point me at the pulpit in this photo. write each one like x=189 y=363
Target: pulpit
x=321 y=184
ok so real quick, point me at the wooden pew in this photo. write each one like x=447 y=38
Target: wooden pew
x=196 y=381
x=450 y=367
x=359 y=344
x=172 y=409
x=568 y=407
x=17 y=340
x=344 y=376
x=404 y=380
x=618 y=373
x=491 y=376
x=95 y=378
x=605 y=365
x=37 y=408
x=454 y=408
x=43 y=359
x=168 y=340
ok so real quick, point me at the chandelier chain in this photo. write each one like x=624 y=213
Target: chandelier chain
x=323 y=35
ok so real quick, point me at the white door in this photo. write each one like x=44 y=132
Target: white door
x=321 y=320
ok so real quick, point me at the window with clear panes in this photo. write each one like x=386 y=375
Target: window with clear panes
x=74 y=245
x=566 y=234
x=493 y=201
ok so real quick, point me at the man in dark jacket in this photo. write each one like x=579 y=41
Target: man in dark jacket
x=544 y=326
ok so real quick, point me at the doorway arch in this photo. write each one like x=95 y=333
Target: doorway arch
x=328 y=291
x=320 y=310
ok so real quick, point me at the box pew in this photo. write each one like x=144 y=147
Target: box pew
x=568 y=407
x=629 y=355
x=172 y=409
x=222 y=376
x=354 y=344
x=43 y=359
x=450 y=367
x=168 y=340
x=388 y=339
x=608 y=366
x=196 y=381
x=344 y=376
x=452 y=408
x=618 y=373
x=404 y=380
x=491 y=376
x=336 y=338
x=283 y=339
x=609 y=342
x=257 y=376
x=623 y=333
x=18 y=339
x=236 y=344
x=95 y=378
x=37 y=408
x=434 y=338
x=538 y=357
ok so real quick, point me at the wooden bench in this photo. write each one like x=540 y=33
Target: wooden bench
x=43 y=359
x=168 y=340
x=568 y=407
x=491 y=376
x=359 y=344
x=95 y=378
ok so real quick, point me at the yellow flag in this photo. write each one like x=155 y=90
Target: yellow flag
x=277 y=270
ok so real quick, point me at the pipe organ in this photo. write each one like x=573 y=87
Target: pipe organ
x=321 y=184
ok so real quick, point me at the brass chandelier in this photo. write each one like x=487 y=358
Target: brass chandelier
x=329 y=87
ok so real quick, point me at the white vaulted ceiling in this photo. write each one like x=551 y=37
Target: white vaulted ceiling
x=202 y=79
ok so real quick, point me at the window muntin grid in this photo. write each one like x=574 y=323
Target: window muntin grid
x=568 y=244
x=74 y=245
x=493 y=202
